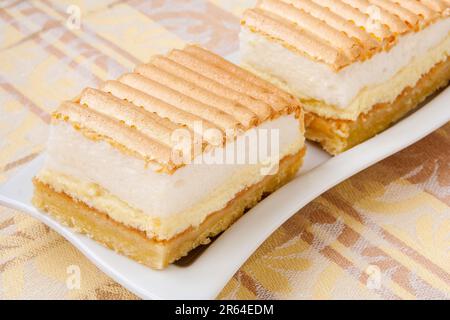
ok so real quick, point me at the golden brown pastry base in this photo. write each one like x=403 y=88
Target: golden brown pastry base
x=336 y=136
x=134 y=243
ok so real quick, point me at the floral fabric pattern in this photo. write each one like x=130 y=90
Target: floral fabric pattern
x=382 y=234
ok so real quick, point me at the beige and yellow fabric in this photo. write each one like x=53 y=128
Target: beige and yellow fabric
x=383 y=234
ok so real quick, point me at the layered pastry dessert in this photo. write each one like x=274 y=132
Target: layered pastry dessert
x=357 y=65
x=159 y=161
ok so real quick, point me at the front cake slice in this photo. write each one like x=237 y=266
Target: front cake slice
x=162 y=159
x=357 y=65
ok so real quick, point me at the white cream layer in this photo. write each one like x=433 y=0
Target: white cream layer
x=172 y=203
x=310 y=79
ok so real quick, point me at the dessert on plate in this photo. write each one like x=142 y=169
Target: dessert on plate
x=159 y=161
x=357 y=65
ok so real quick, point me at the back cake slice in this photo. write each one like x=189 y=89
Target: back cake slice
x=357 y=65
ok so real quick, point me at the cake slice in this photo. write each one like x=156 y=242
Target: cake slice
x=159 y=161
x=357 y=65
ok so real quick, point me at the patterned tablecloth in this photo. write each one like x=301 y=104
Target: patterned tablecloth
x=385 y=233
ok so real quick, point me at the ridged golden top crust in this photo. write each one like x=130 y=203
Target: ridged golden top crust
x=340 y=32
x=139 y=112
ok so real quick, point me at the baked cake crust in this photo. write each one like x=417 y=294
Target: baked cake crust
x=337 y=135
x=136 y=244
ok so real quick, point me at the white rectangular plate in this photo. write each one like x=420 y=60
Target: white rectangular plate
x=209 y=272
